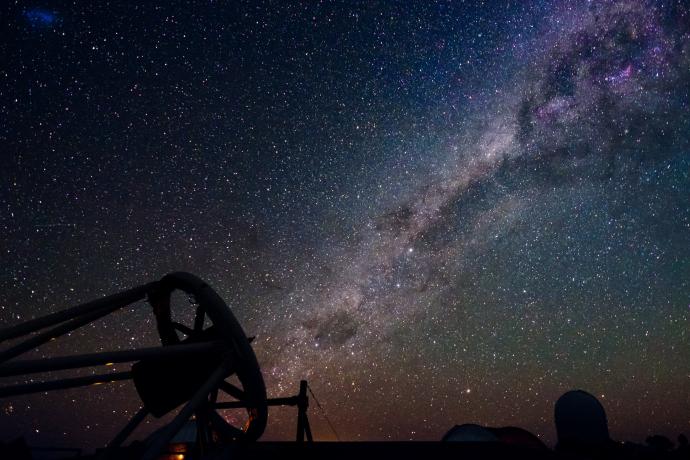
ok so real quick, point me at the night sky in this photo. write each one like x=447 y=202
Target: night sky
x=437 y=212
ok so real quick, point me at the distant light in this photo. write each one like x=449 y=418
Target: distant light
x=468 y=391
x=40 y=17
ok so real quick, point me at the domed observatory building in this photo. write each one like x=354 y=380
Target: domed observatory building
x=580 y=421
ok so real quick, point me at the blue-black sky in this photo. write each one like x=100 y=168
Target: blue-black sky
x=437 y=212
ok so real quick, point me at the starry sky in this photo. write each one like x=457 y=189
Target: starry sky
x=437 y=212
